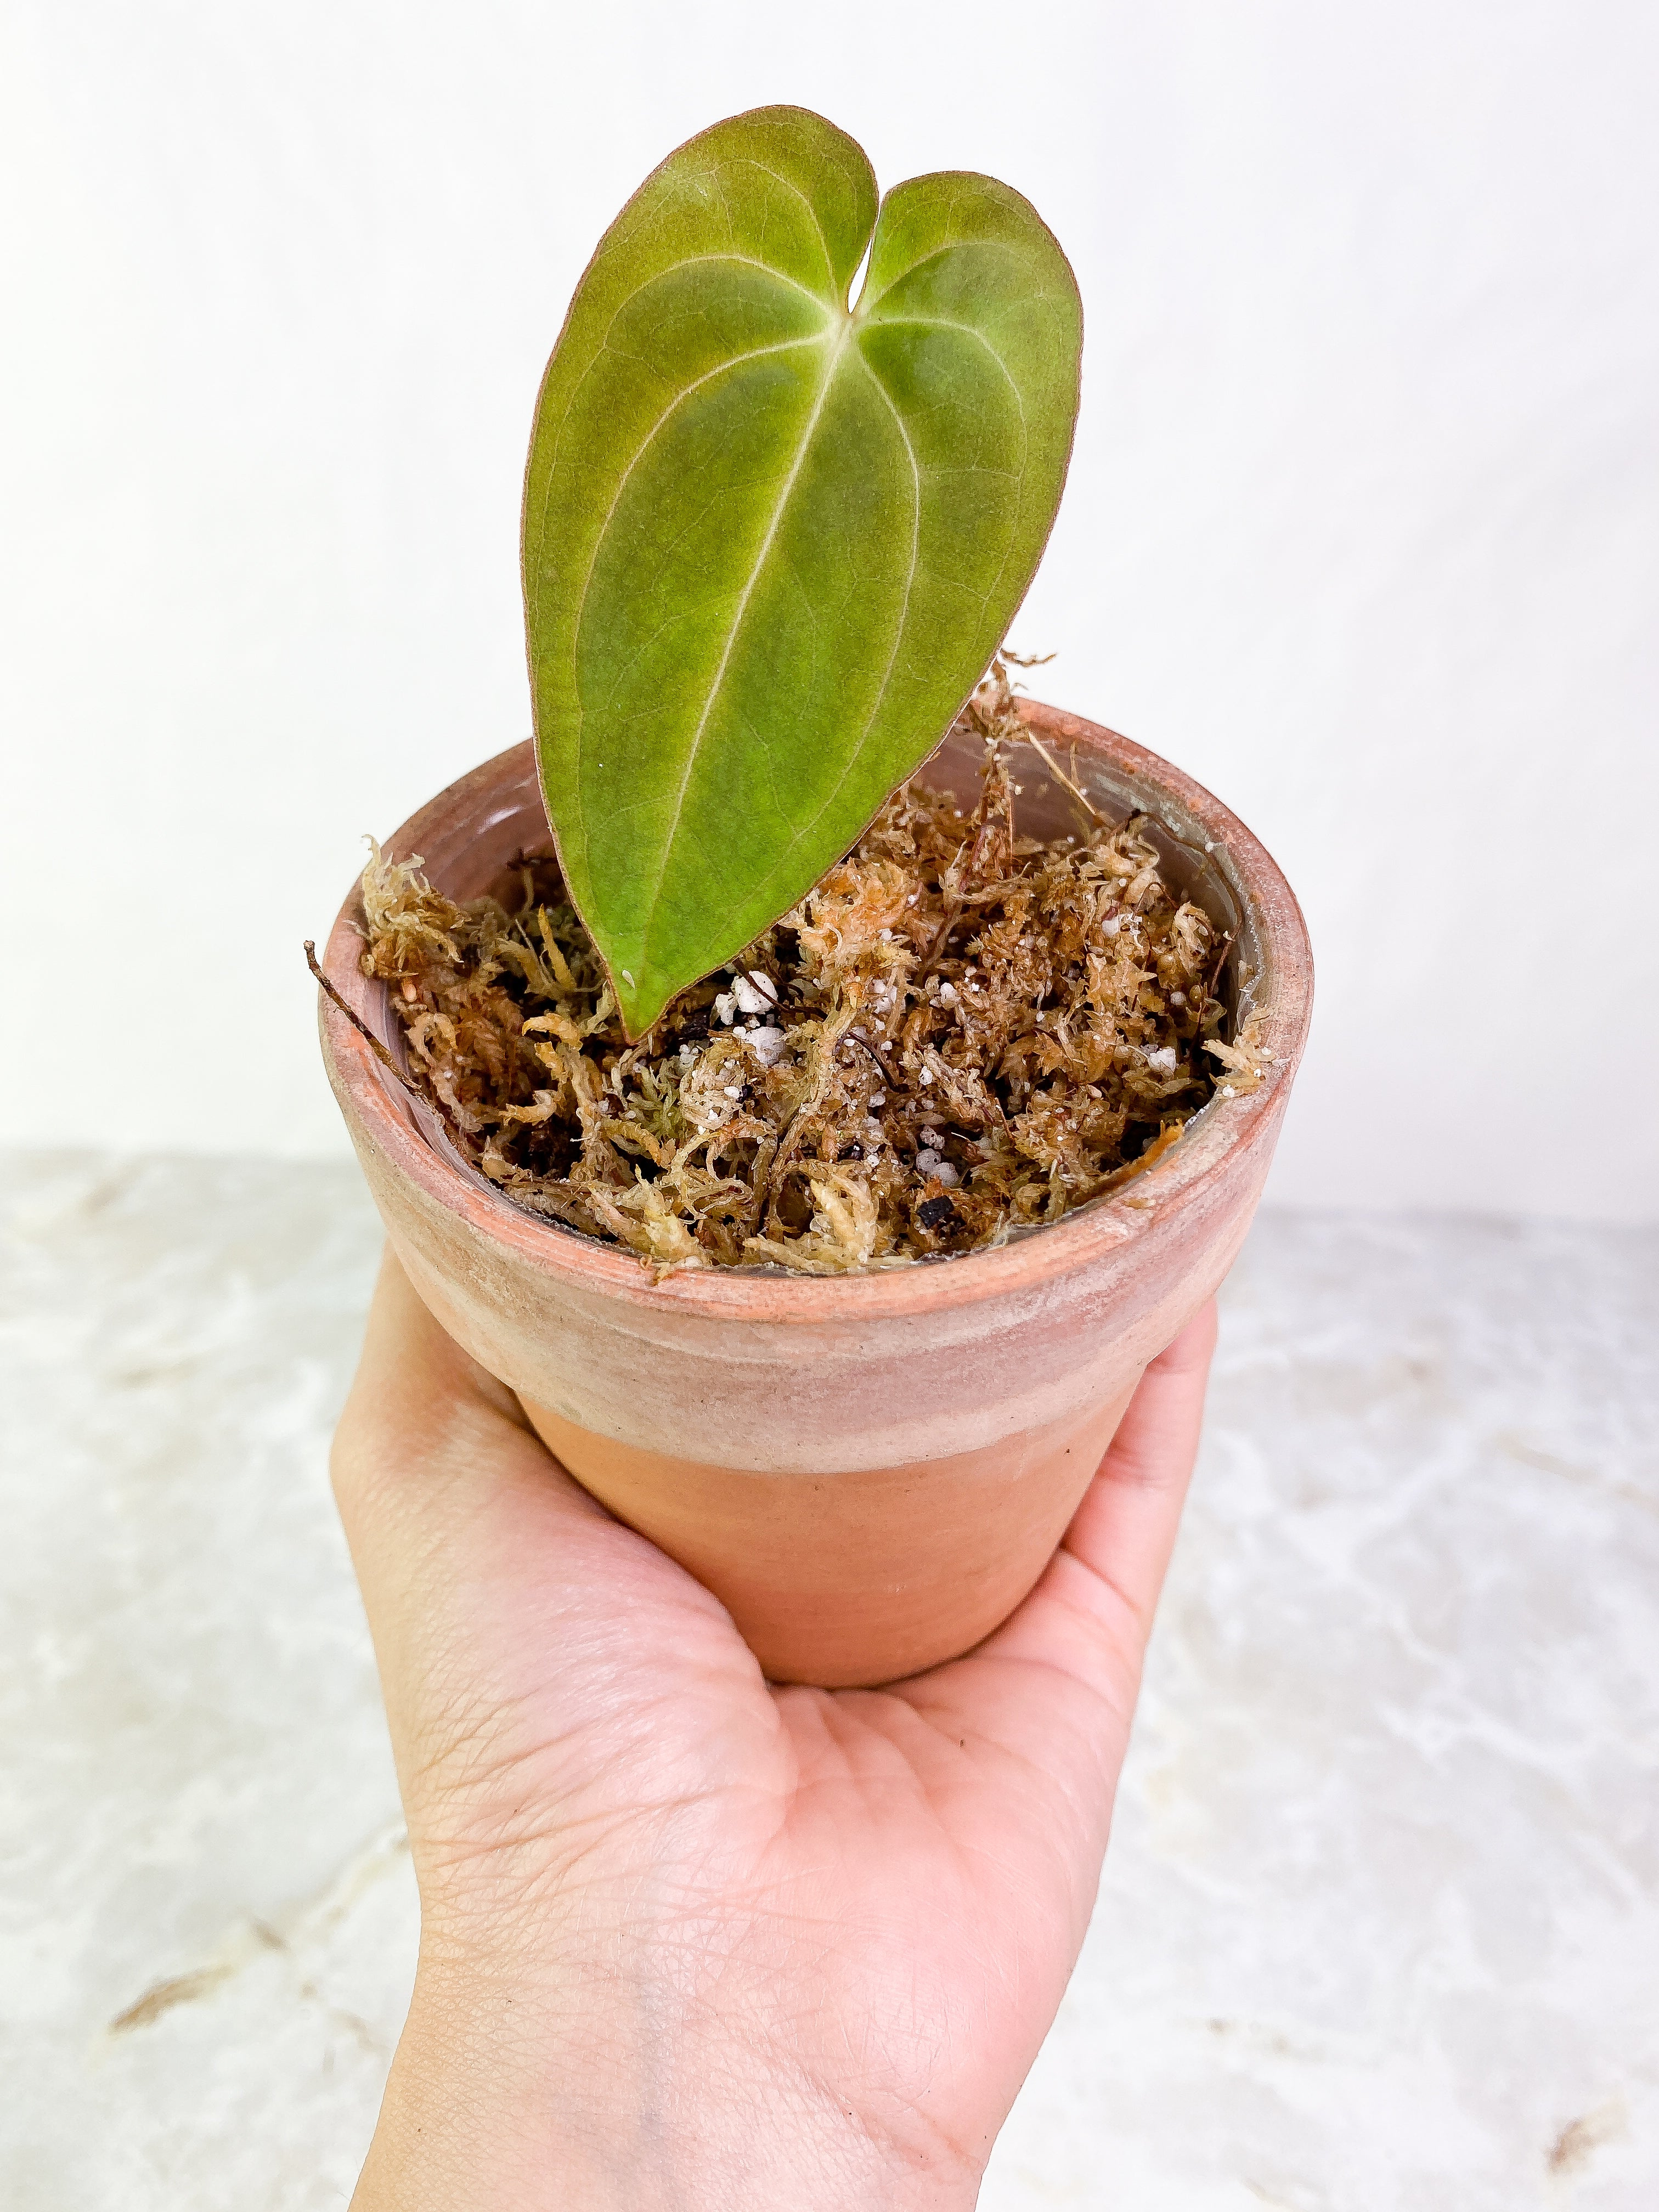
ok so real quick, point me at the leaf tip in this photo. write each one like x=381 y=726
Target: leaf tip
x=638 y=1005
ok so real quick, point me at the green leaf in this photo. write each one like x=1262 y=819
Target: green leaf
x=771 y=542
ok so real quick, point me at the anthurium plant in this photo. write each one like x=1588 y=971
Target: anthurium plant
x=777 y=517
x=787 y=1006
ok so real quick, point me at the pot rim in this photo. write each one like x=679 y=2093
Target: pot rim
x=1282 y=1009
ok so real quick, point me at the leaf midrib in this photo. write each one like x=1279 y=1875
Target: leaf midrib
x=868 y=311
x=843 y=337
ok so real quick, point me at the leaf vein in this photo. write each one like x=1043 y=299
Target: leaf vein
x=735 y=360
x=741 y=609
x=945 y=323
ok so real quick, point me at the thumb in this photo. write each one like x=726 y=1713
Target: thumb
x=1092 y=1613
x=442 y=1486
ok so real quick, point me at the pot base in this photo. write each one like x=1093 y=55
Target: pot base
x=849 y=1580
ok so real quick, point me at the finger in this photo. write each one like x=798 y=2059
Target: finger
x=1092 y=1611
x=410 y=1368
x=432 y=1456
x=461 y=1522
x=421 y=1418
x=1125 y=1530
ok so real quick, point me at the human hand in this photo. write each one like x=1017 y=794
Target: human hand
x=688 y=1940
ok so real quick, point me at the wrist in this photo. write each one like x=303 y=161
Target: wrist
x=600 y=2094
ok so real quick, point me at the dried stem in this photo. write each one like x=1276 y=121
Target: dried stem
x=361 y=1026
x=1061 y=776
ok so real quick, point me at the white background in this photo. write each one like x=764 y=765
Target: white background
x=1361 y=528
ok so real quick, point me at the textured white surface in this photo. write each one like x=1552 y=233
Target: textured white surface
x=1362 y=529
x=1380 y=1924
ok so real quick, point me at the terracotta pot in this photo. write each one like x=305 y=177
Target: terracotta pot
x=869 y=1471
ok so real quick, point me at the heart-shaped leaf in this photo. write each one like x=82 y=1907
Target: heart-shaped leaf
x=771 y=541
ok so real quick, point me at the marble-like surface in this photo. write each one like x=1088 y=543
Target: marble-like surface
x=1380 y=1927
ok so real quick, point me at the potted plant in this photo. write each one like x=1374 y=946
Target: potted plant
x=819 y=1149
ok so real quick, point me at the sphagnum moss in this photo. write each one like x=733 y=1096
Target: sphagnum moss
x=959 y=1031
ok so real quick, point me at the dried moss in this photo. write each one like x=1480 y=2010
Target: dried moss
x=960 y=1031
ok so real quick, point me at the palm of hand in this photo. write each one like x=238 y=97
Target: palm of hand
x=860 y=1908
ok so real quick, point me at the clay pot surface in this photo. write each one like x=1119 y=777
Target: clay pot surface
x=870 y=1471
